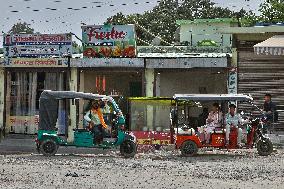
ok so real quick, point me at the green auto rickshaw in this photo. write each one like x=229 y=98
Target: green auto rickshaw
x=48 y=140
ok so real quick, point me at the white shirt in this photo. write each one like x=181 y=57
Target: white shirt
x=214 y=119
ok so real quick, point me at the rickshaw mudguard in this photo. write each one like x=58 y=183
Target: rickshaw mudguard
x=180 y=139
x=120 y=137
x=49 y=134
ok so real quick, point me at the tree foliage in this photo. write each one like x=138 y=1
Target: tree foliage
x=21 y=28
x=161 y=20
x=272 y=11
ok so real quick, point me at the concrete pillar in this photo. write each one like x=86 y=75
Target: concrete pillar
x=2 y=99
x=158 y=85
x=73 y=87
x=81 y=102
x=150 y=79
x=8 y=102
x=234 y=57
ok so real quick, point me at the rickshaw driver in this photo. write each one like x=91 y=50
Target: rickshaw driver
x=96 y=121
x=233 y=120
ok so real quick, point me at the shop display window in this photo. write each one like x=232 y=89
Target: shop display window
x=150 y=115
x=26 y=87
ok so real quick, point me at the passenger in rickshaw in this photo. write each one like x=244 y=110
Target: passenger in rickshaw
x=233 y=119
x=105 y=106
x=213 y=121
x=96 y=122
x=106 y=110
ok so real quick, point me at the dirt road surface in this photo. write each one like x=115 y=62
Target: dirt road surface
x=159 y=169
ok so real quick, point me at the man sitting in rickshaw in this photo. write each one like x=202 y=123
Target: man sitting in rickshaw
x=213 y=121
x=96 y=122
x=105 y=106
x=233 y=120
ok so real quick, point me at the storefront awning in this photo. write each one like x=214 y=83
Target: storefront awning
x=271 y=46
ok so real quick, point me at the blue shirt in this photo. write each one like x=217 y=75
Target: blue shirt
x=233 y=120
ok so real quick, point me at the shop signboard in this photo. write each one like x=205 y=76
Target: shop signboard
x=233 y=81
x=108 y=62
x=37 y=62
x=37 y=45
x=109 y=41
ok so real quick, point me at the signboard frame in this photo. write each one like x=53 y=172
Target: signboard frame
x=109 y=41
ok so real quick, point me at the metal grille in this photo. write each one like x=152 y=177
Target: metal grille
x=260 y=74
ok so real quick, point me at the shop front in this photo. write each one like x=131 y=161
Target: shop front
x=31 y=68
x=194 y=75
x=119 y=77
x=165 y=77
x=24 y=84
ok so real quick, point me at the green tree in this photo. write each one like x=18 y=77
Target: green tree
x=161 y=20
x=21 y=28
x=272 y=11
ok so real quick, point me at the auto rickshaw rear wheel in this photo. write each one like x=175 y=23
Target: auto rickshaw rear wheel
x=264 y=147
x=128 y=149
x=48 y=147
x=188 y=148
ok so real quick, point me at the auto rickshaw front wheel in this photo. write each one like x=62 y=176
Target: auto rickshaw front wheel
x=188 y=148
x=48 y=147
x=128 y=149
x=264 y=147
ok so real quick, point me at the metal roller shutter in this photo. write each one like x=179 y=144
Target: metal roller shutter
x=260 y=74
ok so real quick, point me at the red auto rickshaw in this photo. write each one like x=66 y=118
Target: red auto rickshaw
x=188 y=138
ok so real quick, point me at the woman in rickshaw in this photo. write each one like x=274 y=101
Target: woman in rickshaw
x=213 y=121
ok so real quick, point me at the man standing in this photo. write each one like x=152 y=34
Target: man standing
x=233 y=120
x=270 y=112
x=269 y=108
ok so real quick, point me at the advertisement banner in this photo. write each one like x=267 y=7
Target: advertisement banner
x=37 y=45
x=37 y=62
x=23 y=124
x=37 y=39
x=37 y=50
x=109 y=41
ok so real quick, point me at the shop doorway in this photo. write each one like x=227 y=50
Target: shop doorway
x=23 y=93
x=135 y=89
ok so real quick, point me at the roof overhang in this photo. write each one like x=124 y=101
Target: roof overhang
x=271 y=46
x=213 y=97
x=251 y=30
x=184 y=55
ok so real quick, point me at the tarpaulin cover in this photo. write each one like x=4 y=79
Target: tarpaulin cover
x=48 y=113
